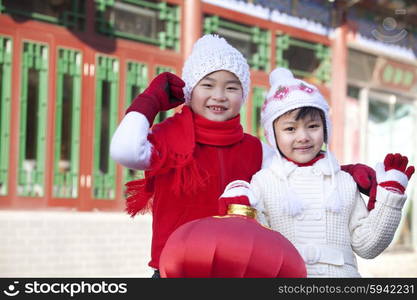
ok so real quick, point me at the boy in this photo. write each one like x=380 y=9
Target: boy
x=306 y=196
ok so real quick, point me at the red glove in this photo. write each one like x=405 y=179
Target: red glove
x=365 y=178
x=163 y=93
x=236 y=192
x=394 y=175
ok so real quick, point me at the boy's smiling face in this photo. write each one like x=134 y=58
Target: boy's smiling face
x=299 y=140
x=218 y=96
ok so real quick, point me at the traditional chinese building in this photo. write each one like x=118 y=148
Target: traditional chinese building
x=69 y=69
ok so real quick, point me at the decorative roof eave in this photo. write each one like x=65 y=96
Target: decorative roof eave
x=243 y=7
x=272 y=15
x=259 y=11
x=302 y=23
x=380 y=48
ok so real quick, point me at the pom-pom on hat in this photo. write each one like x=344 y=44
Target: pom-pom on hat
x=288 y=93
x=209 y=54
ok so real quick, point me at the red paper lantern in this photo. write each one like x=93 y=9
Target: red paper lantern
x=231 y=246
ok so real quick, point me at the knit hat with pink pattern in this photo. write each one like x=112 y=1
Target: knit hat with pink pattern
x=288 y=93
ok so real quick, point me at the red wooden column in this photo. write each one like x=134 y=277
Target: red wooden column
x=338 y=90
x=192 y=29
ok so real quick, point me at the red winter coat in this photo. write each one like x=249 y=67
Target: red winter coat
x=219 y=165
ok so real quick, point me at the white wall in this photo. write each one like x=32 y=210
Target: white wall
x=74 y=244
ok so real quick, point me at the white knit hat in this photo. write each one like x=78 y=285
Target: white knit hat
x=288 y=93
x=212 y=53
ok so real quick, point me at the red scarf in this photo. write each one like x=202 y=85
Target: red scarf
x=217 y=133
x=174 y=142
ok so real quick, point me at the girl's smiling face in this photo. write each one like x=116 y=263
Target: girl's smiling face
x=218 y=96
x=299 y=140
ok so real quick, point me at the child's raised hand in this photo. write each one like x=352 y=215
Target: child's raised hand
x=236 y=192
x=394 y=174
x=163 y=93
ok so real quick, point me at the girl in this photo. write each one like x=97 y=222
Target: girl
x=190 y=157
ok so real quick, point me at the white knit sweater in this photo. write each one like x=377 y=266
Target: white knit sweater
x=327 y=240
